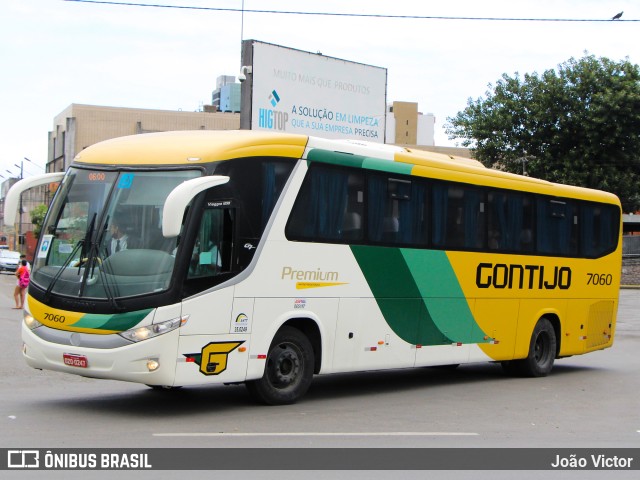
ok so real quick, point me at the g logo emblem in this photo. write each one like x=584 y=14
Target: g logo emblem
x=215 y=356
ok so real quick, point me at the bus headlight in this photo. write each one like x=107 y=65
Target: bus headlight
x=31 y=322
x=150 y=331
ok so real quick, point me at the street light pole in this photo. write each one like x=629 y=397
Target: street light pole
x=20 y=224
x=34 y=164
x=19 y=231
x=45 y=193
x=20 y=221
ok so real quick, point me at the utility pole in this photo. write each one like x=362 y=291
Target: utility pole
x=20 y=224
x=18 y=237
x=524 y=161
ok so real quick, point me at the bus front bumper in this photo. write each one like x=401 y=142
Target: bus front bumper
x=151 y=362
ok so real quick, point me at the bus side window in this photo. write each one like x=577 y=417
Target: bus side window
x=329 y=207
x=397 y=208
x=212 y=251
x=598 y=229
x=458 y=216
x=510 y=221
x=557 y=227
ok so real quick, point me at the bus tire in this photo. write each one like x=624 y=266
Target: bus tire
x=288 y=371
x=542 y=353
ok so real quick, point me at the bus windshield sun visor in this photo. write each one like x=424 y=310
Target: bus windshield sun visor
x=180 y=197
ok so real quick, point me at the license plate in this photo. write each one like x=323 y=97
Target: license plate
x=79 y=361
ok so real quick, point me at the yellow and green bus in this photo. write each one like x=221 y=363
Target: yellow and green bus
x=183 y=258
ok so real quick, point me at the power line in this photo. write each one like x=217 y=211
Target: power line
x=362 y=15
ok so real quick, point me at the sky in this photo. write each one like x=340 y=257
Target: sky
x=54 y=53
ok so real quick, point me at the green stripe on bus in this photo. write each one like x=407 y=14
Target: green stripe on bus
x=118 y=322
x=335 y=158
x=423 y=304
x=397 y=294
x=445 y=300
x=358 y=161
x=387 y=166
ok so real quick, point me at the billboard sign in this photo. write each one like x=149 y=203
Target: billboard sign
x=308 y=93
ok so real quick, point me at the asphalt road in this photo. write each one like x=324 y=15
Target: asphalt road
x=587 y=401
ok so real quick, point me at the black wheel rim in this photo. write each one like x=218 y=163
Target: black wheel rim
x=284 y=365
x=541 y=349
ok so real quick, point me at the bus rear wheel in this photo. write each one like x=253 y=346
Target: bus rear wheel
x=542 y=353
x=288 y=371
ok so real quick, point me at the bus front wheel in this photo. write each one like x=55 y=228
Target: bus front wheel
x=542 y=353
x=288 y=370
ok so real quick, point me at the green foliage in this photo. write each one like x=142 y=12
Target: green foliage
x=578 y=125
x=37 y=218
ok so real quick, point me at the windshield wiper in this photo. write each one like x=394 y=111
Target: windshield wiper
x=81 y=243
x=96 y=260
x=102 y=269
x=86 y=242
x=105 y=280
x=54 y=280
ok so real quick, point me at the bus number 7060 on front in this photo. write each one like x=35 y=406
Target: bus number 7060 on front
x=599 y=279
x=54 y=318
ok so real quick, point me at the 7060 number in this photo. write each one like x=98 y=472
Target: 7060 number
x=599 y=279
x=54 y=318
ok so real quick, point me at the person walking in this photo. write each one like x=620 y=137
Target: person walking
x=24 y=257
x=20 y=292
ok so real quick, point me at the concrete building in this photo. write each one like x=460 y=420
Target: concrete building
x=79 y=126
x=230 y=98
x=221 y=82
x=407 y=126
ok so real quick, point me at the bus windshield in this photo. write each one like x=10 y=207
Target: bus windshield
x=102 y=238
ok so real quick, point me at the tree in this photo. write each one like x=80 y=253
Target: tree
x=579 y=125
x=37 y=218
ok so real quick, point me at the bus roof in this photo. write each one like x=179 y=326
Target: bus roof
x=192 y=147
x=422 y=163
x=204 y=146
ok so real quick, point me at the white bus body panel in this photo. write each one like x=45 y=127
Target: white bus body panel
x=209 y=313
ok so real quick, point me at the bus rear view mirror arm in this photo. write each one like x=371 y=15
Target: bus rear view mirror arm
x=12 y=200
x=179 y=198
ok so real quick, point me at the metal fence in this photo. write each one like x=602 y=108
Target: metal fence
x=631 y=246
